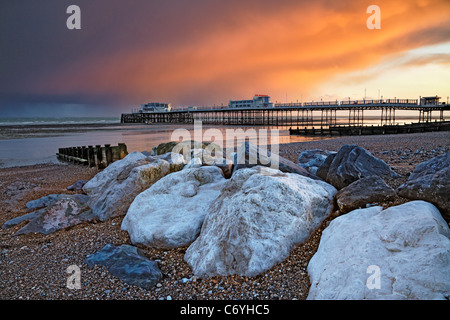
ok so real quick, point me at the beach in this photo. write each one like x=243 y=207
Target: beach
x=34 y=266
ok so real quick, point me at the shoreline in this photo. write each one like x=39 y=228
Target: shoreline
x=34 y=265
x=10 y=132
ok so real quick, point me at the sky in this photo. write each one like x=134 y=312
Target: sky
x=206 y=52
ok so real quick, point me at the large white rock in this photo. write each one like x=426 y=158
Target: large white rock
x=171 y=212
x=113 y=170
x=402 y=252
x=259 y=216
x=112 y=190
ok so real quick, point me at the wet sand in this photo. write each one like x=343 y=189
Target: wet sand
x=34 y=266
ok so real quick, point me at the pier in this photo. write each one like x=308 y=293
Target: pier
x=321 y=114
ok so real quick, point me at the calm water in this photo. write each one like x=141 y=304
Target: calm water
x=33 y=150
x=62 y=120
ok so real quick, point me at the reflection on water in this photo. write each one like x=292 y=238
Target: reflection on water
x=18 y=152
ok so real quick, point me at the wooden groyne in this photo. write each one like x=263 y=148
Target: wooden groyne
x=372 y=130
x=93 y=156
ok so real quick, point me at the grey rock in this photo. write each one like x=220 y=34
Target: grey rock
x=202 y=157
x=322 y=171
x=64 y=212
x=44 y=201
x=352 y=163
x=430 y=181
x=26 y=217
x=163 y=148
x=431 y=166
x=362 y=192
x=127 y=263
x=77 y=185
x=313 y=159
x=249 y=156
x=179 y=147
x=47 y=200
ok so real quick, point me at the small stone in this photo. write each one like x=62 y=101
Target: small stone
x=128 y=264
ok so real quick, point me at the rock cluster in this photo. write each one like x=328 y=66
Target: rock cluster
x=243 y=216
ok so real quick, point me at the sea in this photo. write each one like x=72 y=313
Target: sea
x=37 y=146
x=62 y=120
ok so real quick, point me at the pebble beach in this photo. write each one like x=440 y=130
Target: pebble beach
x=34 y=266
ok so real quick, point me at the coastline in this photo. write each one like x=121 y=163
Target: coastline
x=34 y=265
x=24 y=131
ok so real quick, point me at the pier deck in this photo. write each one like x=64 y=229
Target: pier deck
x=322 y=114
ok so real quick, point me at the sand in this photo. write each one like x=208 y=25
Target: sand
x=34 y=266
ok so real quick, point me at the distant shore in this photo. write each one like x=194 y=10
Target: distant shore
x=20 y=131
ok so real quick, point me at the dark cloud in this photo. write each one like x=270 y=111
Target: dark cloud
x=192 y=52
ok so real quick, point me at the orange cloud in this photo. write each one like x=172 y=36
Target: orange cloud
x=255 y=49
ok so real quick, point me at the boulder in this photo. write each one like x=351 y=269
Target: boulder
x=257 y=219
x=170 y=213
x=430 y=181
x=184 y=147
x=47 y=200
x=313 y=159
x=202 y=157
x=250 y=155
x=127 y=263
x=163 y=148
x=431 y=166
x=77 y=186
x=176 y=160
x=322 y=171
x=402 y=252
x=362 y=192
x=112 y=190
x=352 y=163
x=194 y=163
x=63 y=212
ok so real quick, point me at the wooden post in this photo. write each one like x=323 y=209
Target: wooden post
x=108 y=154
x=90 y=156
x=122 y=150
x=79 y=154
x=98 y=156
x=84 y=154
x=104 y=162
